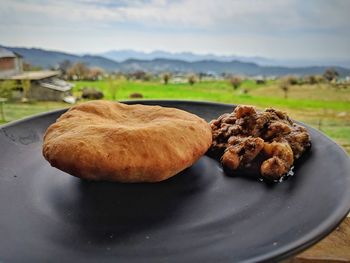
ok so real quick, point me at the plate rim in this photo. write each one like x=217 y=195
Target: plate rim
x=320 y=232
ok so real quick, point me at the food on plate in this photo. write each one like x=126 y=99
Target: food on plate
x=267 y=142
x=103 y=140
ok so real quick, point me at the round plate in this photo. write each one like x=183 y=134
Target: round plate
x=200 y=214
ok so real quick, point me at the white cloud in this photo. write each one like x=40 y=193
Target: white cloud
x=249 y=15
x=247 y=27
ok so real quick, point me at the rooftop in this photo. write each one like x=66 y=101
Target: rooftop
x=35 y=75
x=56 y=84
x=6 y=53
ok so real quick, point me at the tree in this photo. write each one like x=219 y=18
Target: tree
x=95 y=73
x=138 y=75
x=64 y=66
x=113 y=86
x=6 y=88
x=192 y=79
x=201 y=75
x=284 y=86
x=148 y=76
x=78 y=71
x=166 y=78
x=26 y=89
x=235 y=82
x=330 y=74
x=2 y=113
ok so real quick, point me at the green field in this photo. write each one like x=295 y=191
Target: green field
x=320 y=106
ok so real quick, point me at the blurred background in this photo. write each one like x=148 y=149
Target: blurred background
x=293 y=55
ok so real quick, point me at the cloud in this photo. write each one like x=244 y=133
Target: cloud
x=313 y=27
x=250 y=16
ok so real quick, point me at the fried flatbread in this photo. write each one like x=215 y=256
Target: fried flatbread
x=103 y=140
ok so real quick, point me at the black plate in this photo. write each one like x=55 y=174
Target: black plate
x=200 y=214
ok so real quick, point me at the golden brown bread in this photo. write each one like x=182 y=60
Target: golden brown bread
x=103 y=140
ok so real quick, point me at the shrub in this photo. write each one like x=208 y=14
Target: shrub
x=192 y=79
x=245 y=91
x=92 y=93
x=291 y=80
x=330 y=74
x=260 y=81
x=235 y=82
x=310 y=79
x=136 y=95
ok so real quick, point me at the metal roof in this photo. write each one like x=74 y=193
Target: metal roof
x=56 y=84
x=5 y=53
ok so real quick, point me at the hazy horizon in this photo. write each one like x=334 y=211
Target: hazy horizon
x=291 y=29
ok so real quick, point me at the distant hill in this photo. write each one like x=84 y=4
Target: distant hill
x=235 y=67
x=122 y=55
x=47 y=59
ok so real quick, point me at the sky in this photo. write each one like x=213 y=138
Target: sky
x=289 y=29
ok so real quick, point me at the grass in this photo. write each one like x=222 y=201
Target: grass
x=260 y=95
x=320 y=92
x=15 y=111
x=320 y=106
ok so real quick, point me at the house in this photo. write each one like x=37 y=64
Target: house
x=11 y=63
x=43 y=85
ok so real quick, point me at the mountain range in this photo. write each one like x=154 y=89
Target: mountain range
x=179 y=62
x=122 y=55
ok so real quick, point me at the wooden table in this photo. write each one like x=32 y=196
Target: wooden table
x=335 y=248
